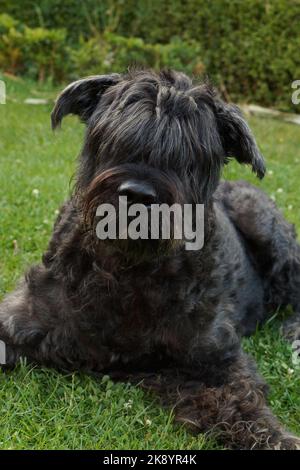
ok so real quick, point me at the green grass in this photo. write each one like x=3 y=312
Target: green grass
x=43 y=409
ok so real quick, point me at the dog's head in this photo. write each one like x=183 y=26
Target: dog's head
x=153 y=137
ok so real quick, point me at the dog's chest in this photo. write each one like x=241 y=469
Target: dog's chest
x=168 y=292
x=157 y=311
x=166 y=310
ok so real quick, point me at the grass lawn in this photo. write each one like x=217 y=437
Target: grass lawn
x=43 y=409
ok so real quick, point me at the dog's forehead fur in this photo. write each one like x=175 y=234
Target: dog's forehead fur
x=160 y=119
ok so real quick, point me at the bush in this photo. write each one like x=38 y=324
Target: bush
x=38 y=52
x=112 y=53
x=81 y=18
x=11 y=42
x=250 y=47
x=45 y=53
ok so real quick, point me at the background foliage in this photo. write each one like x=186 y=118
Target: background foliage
x=249 y=48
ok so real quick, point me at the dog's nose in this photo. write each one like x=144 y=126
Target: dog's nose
x=138 y=192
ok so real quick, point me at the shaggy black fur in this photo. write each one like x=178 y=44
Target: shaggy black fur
x=154 y=311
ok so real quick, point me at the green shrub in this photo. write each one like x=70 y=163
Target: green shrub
x=81 y=18
x=110 y=53
x=113 y=53
x=250 y=48
x=45 y=53
x=37 y=52
x=181 y=55
x=7 y=23
x=11 y=43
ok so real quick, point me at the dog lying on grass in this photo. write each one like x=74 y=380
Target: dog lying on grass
x=151 y=311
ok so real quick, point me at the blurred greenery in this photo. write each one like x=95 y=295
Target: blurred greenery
x=249 y=48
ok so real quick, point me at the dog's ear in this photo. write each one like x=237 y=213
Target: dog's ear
x=81 y=97
x=237 y=138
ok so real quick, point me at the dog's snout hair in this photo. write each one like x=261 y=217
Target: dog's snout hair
x=105 y=188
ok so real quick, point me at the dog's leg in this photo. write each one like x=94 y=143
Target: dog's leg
x=34 y=323
x=236 y=413
x=273 y=244
x=20 y=331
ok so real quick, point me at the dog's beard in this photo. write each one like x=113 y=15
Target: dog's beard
x=103 y=190
x=134 y=250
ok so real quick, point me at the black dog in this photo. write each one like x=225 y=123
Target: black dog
x=158 y=312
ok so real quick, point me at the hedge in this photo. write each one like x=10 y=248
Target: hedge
x=250 y=48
